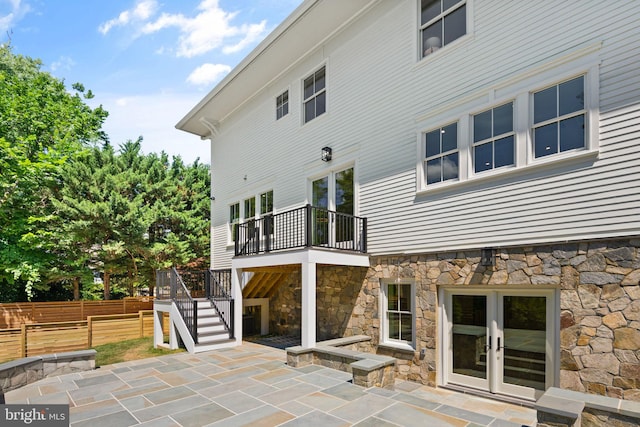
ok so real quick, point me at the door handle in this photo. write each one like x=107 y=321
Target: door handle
x=498 y=348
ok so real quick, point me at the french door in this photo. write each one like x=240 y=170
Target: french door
x=334 y=192
x=500 y=341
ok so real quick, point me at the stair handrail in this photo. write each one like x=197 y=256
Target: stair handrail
x=220 y=297
x=187 y=306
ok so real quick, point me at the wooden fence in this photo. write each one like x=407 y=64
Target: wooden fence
x=56 y=337
x=13 y=315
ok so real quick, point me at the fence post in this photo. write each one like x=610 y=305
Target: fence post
x=124 y=305
x=141 y=318
x=82 y=310
x=33 y=312
x=89 y=331
x=23 y=340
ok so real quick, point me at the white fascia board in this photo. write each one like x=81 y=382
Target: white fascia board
x=313 y=255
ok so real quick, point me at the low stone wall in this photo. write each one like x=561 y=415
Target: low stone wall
x=566 y=408
x=368 y=370
x=20 y=372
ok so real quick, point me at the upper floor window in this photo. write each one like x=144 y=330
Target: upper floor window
x=315 y=95
x=282 y=105
x=441 y=22
x=266 y=202
x=442 y=154
x=250 y=208
x=493 y=138
x=234 y=218
x=559 y=118
x=553 y=123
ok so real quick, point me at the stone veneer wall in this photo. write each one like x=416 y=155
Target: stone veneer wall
x=285 y=309
x=599 y=306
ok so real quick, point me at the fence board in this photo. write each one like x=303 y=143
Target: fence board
x=112 y=330
x=56 y=337
x=10 y=341
x=12 y=315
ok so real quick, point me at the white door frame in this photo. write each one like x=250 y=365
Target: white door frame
x=493 y=383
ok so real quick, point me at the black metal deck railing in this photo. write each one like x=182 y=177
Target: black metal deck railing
x=185 y=285
x=187 y=306
x=307 y=226
x=218 y=291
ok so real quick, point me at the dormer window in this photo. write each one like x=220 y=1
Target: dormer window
x=441 y=22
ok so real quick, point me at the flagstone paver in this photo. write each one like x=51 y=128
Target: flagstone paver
x=251 y=385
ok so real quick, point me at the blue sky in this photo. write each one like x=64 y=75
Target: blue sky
x=147 y=61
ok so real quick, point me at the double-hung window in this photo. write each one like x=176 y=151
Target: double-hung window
x=234 y=218
x=398 y=313
x=441 y=163
x=553 y=121
x=315 y=95
x=266 y=208
x=282 y=105
x=493 y=138
x=559 y=118
x=441 y=22
x=266 y=202
x=250 y=208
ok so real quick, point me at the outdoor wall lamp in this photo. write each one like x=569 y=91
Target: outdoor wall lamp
x=488 y=258
x=326 y=154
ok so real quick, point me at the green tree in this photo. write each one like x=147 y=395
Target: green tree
x=133 y=213
x=42 y=125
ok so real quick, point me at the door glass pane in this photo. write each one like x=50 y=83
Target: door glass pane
x=469 y=335
x=525 y=323
x=320 y=217
x=344 y=206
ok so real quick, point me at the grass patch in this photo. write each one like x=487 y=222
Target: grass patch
x=124 y=351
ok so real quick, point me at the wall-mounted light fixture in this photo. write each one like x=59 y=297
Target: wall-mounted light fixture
x=488 y=258
x=326 y=154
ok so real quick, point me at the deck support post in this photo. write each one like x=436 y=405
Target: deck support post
x=308 y=327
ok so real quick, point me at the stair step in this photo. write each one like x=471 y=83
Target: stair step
x=211 y=329
x=210 y=321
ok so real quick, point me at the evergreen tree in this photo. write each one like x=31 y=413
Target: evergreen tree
x=41 y=126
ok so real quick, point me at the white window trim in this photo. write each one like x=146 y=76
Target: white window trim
x=422 y=60
x=282 y=92
x=243 y=215
x=382 y=313
x=230 y=224
x=302 y=99
x=520 y=91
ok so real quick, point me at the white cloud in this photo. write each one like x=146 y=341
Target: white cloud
x=207 y=74
x=18 y=10
x=211 y=28
x=253 y=33
x=142 y=11
x=64 y=63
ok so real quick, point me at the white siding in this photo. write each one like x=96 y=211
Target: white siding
x=380 y=98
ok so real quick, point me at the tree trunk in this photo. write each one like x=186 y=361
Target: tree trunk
x=107 y=285
x=76 y=288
